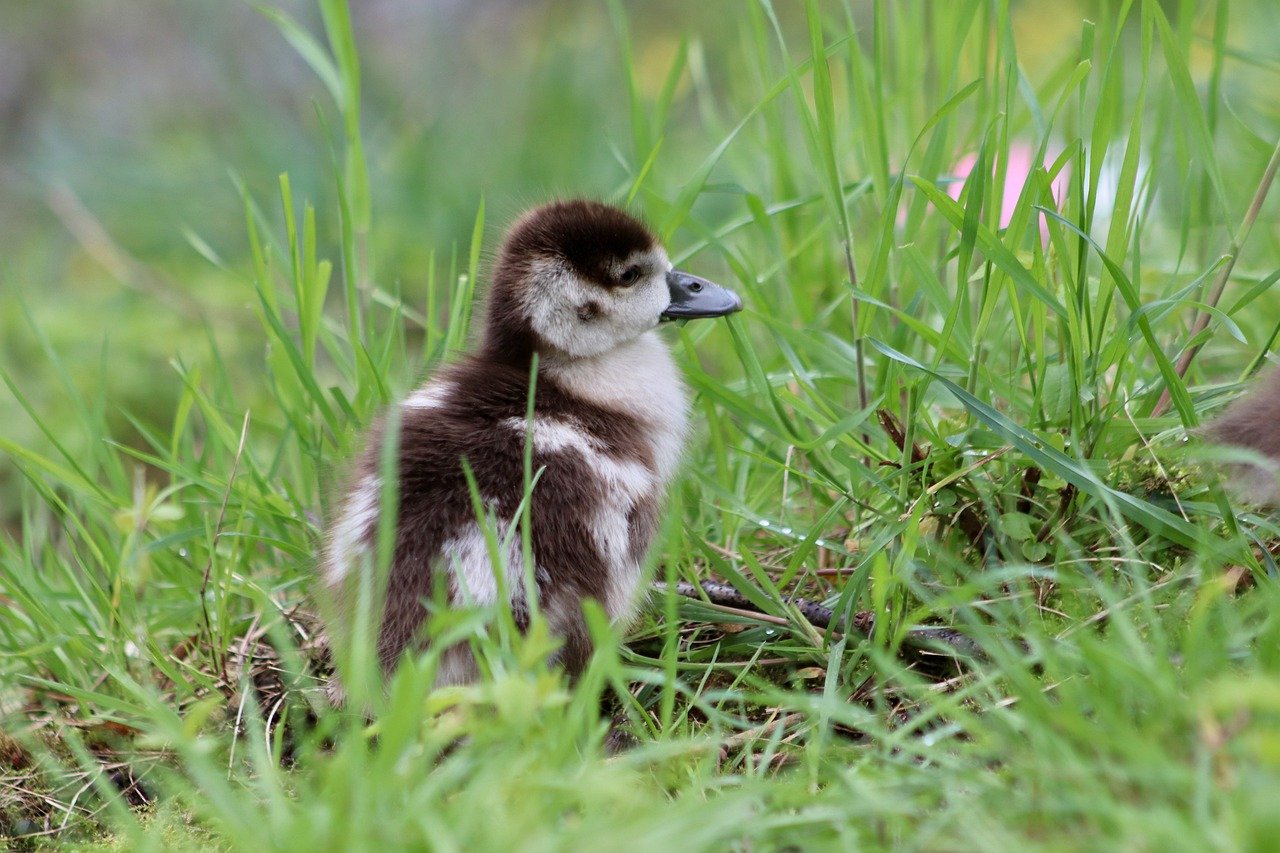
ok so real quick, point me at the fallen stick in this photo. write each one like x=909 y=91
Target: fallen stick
x=741 y=739
x=923 y=638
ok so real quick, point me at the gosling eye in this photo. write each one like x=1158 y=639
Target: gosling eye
x=629 y=276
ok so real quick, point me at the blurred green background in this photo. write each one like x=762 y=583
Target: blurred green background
x=125 y=129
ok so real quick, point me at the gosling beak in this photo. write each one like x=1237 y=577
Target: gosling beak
x=693 y=297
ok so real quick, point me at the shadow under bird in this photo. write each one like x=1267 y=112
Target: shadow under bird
x=584 y=286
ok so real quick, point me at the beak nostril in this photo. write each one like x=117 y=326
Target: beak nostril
x=692 y=297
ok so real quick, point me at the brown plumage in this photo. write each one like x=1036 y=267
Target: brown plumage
x=1253 y=422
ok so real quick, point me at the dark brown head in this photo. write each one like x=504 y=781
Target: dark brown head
x=578 y=278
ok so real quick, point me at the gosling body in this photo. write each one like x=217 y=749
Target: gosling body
x=583 y=286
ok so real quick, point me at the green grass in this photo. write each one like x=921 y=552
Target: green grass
x=1128 y=612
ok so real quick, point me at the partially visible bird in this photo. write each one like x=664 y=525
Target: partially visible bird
x=1253 y=423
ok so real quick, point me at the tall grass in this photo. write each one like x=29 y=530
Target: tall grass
x=941 y=408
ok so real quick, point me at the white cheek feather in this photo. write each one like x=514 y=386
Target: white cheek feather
x=634 y=310
x=551 y=302
x=349 y=539
x=555 y=293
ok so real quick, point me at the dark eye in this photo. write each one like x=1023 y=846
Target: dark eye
x=630 y=276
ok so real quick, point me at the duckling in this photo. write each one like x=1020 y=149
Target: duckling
x=583 y=286
x=1253 y=423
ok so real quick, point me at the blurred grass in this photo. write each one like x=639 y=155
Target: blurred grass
x=183 y=399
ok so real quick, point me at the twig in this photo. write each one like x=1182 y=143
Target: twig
x=860 y=370
x=893 y=427
x=922 y=638
x=725 y=595
x=742 y=738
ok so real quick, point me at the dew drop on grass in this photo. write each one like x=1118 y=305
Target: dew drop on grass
x=764 y=522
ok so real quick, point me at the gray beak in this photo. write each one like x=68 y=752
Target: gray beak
x=693 y=297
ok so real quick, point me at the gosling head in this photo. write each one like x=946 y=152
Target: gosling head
x=576 y=279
